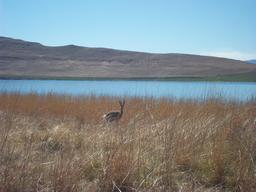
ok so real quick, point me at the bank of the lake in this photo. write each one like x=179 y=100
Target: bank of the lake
x=243 y=77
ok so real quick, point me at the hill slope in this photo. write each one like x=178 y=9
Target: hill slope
x=22 y=58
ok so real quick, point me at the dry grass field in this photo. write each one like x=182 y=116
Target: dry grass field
x=61 y=143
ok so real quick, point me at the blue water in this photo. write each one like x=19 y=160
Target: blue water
x=170 y=89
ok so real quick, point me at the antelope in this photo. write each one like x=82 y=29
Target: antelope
x=115 y=115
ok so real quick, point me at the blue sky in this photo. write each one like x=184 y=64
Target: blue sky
x=210 y=27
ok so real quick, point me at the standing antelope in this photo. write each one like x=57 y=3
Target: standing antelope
x=115 y=115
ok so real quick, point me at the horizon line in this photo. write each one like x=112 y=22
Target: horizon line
x=209 y=54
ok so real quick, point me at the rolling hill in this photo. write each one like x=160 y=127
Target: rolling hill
x=20 y=58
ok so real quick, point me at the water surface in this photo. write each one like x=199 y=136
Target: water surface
x=142 y=88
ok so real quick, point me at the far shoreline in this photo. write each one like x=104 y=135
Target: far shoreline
x=249 y=77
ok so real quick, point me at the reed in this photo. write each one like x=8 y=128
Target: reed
x=61 y=143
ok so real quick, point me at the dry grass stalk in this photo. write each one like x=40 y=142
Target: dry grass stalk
x=60 y=143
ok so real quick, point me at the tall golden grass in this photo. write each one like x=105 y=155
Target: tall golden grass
x=61 y=143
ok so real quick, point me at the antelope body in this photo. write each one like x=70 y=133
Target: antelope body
x=115 y=115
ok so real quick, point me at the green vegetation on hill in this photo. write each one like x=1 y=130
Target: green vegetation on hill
x=249 y=77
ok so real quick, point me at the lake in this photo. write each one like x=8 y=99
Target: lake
x=239 y=91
